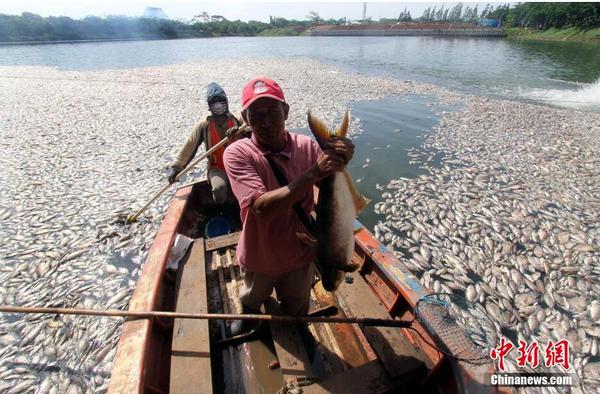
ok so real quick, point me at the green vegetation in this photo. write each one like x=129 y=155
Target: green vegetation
x=543 y=16
x=31 y=27
x=551 y=21
x=281 y=31
x=553 y=34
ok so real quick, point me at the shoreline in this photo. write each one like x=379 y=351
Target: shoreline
x=516 y=34
x=473 y=33
x=591 y=36
x=10 y=43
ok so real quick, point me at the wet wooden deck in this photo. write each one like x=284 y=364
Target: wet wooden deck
x=321 y=358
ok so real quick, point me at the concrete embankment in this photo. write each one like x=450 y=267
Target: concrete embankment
x=439 y=30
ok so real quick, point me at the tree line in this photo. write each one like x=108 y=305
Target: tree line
x=32 y=27
x=533 y=15
x=546 y=15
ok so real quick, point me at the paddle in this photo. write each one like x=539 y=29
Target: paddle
x=231 y=133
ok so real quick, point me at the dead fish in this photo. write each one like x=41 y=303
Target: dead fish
x=339 y=203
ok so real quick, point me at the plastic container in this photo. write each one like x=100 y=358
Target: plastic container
x=216 y=227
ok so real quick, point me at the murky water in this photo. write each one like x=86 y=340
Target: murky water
x=390 y=127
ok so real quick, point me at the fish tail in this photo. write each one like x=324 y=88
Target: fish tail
x=342 y=131
x=319 y=130
x=360 y=201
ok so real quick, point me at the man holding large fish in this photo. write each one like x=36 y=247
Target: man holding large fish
x=272 y=175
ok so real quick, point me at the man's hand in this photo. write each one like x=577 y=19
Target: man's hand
x=338 y=152
x=231 y=132
x=341 y=146
x=172 y=174
x=237 y=131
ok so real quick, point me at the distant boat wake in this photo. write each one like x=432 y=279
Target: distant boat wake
x=584 y=98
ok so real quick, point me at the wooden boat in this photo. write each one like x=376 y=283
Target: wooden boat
x=159 y=356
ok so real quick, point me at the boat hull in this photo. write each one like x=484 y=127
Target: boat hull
x=371 y=359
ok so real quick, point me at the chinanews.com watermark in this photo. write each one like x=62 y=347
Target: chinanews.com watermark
x=530 y=357
x=530 y=379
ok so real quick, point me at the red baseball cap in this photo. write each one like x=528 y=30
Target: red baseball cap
x=261 y=87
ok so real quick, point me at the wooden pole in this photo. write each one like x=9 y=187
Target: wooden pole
x=208 y=316
x=234 y=131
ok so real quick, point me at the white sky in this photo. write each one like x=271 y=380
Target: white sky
x=231 y=9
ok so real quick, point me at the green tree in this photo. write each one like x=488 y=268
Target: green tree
x=455 y=13
x=426 y=17
x=439 y=15
x=314 y=18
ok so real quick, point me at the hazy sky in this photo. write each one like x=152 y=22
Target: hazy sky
x=230 y=9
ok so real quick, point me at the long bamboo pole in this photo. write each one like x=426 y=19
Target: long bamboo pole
x=233 y=131
x=207 y=316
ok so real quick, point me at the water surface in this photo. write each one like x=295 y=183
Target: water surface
x=483 y=66
x=390 y=128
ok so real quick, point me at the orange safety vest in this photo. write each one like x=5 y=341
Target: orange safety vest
x=216 y=159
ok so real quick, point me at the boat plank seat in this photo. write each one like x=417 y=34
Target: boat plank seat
x=190 y=357
x=222 y=241
x=289 y=347
x=397 y=355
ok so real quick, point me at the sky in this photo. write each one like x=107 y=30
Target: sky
x=244 y=10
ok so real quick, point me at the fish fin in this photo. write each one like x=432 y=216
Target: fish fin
x=342 y=131
x=319 y=130
x=307 y=239
x=360 y=201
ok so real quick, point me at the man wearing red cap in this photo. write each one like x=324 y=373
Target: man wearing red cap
x=269 y=251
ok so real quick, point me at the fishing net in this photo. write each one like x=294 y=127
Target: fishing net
x=459 y=329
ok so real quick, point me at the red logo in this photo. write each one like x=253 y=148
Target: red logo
x=502 y=351
x=557 y=353
x=529 y=354
x=259 y=87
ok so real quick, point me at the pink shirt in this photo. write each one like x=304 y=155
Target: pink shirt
x=270 y=246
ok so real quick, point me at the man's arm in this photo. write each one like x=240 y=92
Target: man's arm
x=276 y=202
x=189 y=149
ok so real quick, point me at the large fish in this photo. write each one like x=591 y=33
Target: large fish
x=338 y=204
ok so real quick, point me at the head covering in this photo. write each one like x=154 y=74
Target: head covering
x=214 y=90
x=261 y=87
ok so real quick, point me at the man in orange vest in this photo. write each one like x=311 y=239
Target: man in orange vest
x=209 y=131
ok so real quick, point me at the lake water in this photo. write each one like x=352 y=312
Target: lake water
x=557 y=73
x=390 y=127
